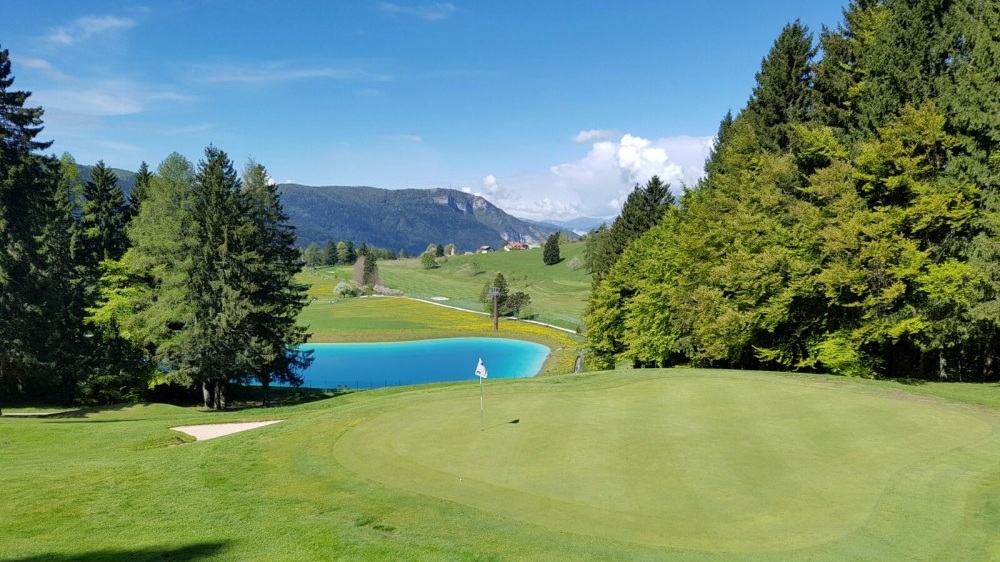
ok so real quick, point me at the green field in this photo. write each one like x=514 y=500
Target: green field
x=558 y=292
x=375 y=319
x=687 y=465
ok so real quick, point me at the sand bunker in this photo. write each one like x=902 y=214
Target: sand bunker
x=211 y=431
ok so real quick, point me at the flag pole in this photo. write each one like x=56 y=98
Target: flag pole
x=481 y=373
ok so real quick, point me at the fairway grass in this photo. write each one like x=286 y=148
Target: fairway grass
x=688 y=465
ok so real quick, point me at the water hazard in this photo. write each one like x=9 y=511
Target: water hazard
x=374 y=365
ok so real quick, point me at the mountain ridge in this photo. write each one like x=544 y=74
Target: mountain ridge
x=403 y=219
x=395 y=219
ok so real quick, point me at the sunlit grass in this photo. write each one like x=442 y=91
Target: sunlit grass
x=558 y=292
x=680 y=465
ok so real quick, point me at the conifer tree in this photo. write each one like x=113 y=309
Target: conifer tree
x=783 y=95
x=140 y=189
x=643 y=209
x=105 y=216
x=550 y=251
x=25 y=181
x=219 y=279
x=274 y=298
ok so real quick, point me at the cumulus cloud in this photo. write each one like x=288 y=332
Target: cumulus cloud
x=638 y=159
x=86 y=27
x=597 y=184
x=432 y=12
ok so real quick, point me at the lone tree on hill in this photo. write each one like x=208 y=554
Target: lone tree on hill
x=550 y=253
x=499 y=301
x=428 y=260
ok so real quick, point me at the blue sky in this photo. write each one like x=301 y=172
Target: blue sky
x=549 y=109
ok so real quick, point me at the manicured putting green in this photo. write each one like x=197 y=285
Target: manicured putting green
x=732 y=464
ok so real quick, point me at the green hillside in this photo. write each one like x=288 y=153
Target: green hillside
x=558 y=292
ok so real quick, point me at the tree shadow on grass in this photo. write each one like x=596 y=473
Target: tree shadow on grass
x=192 y=552
x=911 y=382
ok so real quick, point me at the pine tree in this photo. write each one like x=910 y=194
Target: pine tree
x=330 y=253
x=275 y=298
x=550 y=252
x=25 y=182
x=783 y=95
x=219 y=275
x=140 y=189
x=643 y=208
x=105 y=216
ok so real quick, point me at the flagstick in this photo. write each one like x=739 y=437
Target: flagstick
x=482 y=415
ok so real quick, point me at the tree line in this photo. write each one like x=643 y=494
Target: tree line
x=189 y=281
x=343 y=252
x=849 y=218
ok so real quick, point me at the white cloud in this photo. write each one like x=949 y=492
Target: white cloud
x=275 y=72
x=408 y=138
x=594 y=135
x=433 y=12
x=597 y=184
x=86 y=27
x=39 y=64
x=97 y=102
x=105 y=97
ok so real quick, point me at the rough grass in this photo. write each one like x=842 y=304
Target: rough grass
x=645 y=465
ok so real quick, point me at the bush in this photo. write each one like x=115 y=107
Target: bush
x=386 y=291
x=344 y=290
x=575 y=263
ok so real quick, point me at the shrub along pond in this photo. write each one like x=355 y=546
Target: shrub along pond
x=374 y=365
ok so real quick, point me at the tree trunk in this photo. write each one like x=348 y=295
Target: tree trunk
x=220 y=395
x=264 y=382
x=942 y=363
x=208 y=393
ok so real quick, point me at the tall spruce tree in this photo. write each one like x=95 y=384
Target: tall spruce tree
x=105 y=215
x=550 y=251
x=275 y=298
x=140 y=189
x=643 y=208
x=25 y=182
x=219 y=279
x=784 y=94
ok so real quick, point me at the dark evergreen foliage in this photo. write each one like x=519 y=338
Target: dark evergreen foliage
x=784 y=94
x=550 y=251
x=643 y=208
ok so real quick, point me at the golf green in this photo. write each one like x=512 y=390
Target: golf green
x=733 y=464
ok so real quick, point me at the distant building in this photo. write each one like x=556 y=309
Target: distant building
x=515 y=246
x=485 y=250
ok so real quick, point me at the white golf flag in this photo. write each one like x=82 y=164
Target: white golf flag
x=481 y=369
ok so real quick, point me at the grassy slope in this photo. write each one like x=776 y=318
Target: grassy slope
x=396 y=319
x=558 y=293
x=653 y=465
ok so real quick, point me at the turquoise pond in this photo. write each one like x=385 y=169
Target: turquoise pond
x=374 y=365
